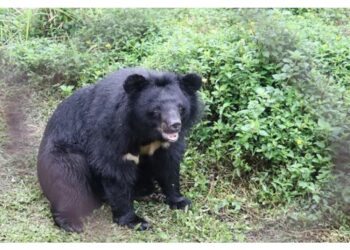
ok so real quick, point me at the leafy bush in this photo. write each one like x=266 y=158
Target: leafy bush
x=47 y=62
x=115 y=29
x=55 y=23
x=256 y=122
x=74 y=47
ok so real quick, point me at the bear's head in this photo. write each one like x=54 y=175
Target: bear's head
x=162 y=106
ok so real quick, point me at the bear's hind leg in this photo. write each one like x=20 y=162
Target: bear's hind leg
x=66 y=222
x=64 y=179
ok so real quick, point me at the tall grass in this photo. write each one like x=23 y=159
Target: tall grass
x=18 y=25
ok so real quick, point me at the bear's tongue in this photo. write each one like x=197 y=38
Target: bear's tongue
x=172 y=137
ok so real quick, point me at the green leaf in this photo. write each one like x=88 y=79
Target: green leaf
x=246 y=127
x=263 y=133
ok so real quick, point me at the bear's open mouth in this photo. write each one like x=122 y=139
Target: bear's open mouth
x=171 y=137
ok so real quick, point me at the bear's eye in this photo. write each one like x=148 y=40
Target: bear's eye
x=181 y=109
x=155 y=113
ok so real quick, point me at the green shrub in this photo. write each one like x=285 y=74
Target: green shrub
x=256 y=122
x=47 y=62
x=55 y=23
x=106 y=30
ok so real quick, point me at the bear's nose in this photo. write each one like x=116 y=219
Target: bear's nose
x=175 y=126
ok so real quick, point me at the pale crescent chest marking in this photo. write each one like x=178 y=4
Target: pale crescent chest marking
x=152 y=147
x=146 y=150
x=131 y=157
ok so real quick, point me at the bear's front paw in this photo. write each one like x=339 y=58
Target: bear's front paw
x=179 y=203
x=131 y=220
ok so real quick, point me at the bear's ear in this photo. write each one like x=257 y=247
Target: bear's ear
x=134 y=83
x=191 y=82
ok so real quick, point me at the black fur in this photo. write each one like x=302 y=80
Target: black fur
x=80 y=161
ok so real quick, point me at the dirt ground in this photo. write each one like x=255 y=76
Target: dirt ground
x=18 y=140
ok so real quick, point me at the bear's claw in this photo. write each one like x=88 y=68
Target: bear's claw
x=179 y=203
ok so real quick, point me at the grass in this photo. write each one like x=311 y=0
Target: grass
x=223 y=209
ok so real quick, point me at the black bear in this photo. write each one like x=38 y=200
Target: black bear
x=111 y=141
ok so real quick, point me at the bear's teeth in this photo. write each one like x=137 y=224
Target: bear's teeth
x=171 y=137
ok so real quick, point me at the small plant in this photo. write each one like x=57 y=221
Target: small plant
x=66 y=90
